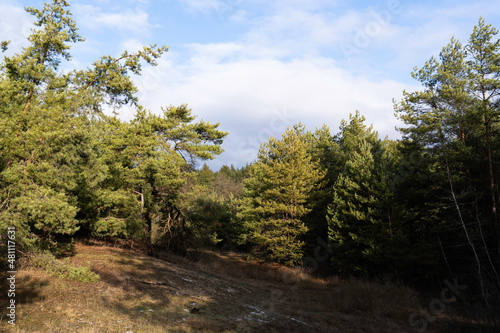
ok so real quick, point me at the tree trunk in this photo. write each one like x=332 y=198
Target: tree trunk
x=492 y=186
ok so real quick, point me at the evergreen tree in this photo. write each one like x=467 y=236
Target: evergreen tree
x=64 y=165
x=484 y=72
x=44 y=147
x=324 y=150
x=358 y=217
x=452 y=123
x=278 y=193
x=150 y=159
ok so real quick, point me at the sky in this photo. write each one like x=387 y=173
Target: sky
x=257 y=67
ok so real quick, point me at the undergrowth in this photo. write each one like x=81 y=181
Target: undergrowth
x=64 y=269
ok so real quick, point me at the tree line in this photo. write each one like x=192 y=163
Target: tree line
x=417 y=209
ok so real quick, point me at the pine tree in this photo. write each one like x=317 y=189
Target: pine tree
x=66 y=166
x=452 y=123
x=44 y=146
x=324 y=150
x=357 y=218
x=205 y=175
x=149 y=160
x=278 y=192
x=484 y=73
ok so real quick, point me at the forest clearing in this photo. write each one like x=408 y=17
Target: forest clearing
x=140 y=293
x=111 y=219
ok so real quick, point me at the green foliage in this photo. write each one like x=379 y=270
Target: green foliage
x=277 y=197
x=47 y=154
x=357 y=218
x=4 y=45
x=205 y=176
x=57 y=247
x=418 y=210
x=449 y=200
x=150 y=158
x=64 y=269
x=211 y=218
x=209 y=202
x=65 y=167
x=324 y=149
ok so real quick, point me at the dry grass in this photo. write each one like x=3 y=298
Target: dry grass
x=138 y=293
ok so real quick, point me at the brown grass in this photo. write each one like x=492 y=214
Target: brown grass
x=139 y=293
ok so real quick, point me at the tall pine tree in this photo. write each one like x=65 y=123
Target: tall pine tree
x=358 y=217
x=278 y=197
x=453 y=123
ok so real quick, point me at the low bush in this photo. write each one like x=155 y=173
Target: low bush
x=64 y=269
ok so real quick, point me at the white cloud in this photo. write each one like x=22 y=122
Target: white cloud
x=287 y=64
x=203 y=5
x=231 y=9
x=127 y=21
x=278 y=67
x=15 y=25
x=248 y=96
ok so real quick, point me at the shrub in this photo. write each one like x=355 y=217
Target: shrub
x=64 y=269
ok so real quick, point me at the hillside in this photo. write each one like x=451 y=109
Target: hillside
x=217 y=293
x=138 y=293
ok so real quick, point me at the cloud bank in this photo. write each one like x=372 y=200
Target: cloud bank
x=258 y=66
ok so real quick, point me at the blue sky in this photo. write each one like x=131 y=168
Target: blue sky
x=259 y=66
